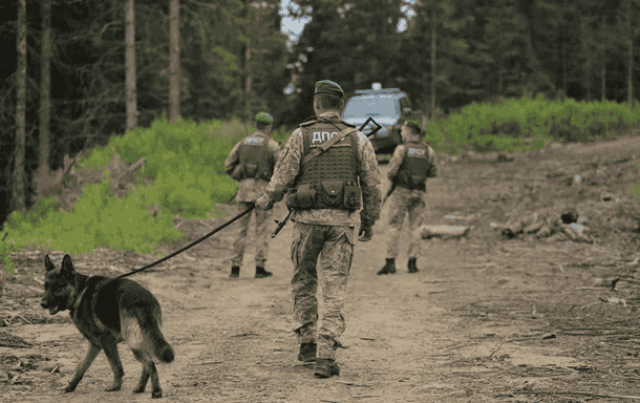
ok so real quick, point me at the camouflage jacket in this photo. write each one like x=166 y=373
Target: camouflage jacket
x=396 y=162
x=288 y=168
x=250 y=188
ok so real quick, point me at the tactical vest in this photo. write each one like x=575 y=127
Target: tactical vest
x=329 y=180
x=415 y=164
x=256 y=160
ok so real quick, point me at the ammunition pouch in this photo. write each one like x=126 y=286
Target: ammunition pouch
x=302 y=199
x=250 y=170
x=265 y=174
x=409 y=181
x=352 y=196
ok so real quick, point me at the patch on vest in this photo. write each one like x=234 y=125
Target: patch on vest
x=416 y=152
x=321 y=137
x=254 y=141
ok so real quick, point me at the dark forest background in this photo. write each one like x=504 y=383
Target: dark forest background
x=234 y=61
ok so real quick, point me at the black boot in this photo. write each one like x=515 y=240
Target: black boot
x=307 y=352
x=235 y=271
x=326 y=368
x=412 y=265
x=261 y=272
x=389 y=267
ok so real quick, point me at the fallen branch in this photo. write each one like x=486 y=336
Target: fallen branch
x=15 y=345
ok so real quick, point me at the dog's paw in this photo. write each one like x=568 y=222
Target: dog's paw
x=139 y=389
x=156 y=394
x=114 y=388
x=69 y=388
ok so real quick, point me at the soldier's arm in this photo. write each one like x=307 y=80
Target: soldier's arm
x=432 y=172
x=287 y=168
x=395 y=162
x=232 y=160
x=370 y=179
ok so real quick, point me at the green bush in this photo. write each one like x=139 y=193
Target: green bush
x=537 y=119
x=182 y=175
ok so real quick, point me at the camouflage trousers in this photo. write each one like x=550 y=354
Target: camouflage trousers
x=262 y=235
x=330 y=248
x=404 y=202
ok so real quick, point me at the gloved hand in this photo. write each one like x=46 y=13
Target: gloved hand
x=264 y=202
x=366 y=230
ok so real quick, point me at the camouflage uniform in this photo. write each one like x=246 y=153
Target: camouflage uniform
x=405 y=201
x=326 y=236
x=248 y=191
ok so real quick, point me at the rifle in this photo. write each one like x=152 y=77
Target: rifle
x=391 y=189
x=282 y=223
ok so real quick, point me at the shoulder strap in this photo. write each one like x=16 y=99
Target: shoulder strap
x=324 y=147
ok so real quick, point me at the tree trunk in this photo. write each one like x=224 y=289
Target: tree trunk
x=21 y=103
x=130 y=61
x=433 y=62
x=174 y=62
x=564 y=67
x=247 y=81
x=602 y=45
x=45 y=86
x=604 y=81
x=630 y=68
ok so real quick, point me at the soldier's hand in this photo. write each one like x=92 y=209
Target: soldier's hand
x=264 y=202
x=366 y=232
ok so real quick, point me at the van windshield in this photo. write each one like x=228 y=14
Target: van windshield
x=364 y=106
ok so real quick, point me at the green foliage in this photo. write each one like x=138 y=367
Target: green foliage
x=505 y=125
x=97 y=220
x=185 y=161
x=182 y=175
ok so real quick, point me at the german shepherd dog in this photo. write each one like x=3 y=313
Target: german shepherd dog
x=108 y=311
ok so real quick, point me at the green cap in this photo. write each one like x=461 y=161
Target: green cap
x=328 y=87
x=264 y=117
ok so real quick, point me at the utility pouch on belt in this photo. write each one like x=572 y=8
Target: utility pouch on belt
x=265 y=174
x=302 y=199
x=352 y=196
x=332 y=193
x=250 y=170
x=417 y=181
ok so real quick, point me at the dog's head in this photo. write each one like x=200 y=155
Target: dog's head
x=59 y=286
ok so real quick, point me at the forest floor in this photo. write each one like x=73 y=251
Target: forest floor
x=486 y=319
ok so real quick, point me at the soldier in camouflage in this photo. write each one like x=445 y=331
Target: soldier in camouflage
x=410 y=166
x=251 y=162
x=322 y=189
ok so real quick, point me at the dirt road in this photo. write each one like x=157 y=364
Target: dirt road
x=484 y=320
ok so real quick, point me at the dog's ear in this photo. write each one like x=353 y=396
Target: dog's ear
x=67 y=266
x=47 y=263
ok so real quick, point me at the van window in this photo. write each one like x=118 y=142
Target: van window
x=372 y=106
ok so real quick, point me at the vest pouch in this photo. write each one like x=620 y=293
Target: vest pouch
x=352 y=196
x=265 y=174
x=305 y=197
x=250 y=170
x=291 y=199
x=417 y=181
x=332 y=193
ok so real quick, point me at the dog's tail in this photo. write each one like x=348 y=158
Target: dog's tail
x=150 y=327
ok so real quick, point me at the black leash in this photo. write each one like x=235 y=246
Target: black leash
x=247 y=211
